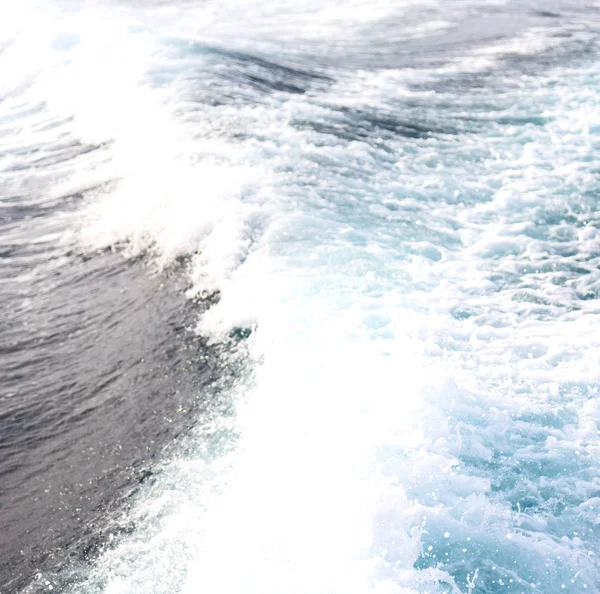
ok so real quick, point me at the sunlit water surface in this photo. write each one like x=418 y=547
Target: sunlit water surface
x=387 y=216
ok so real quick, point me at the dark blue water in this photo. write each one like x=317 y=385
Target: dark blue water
x=99 y=374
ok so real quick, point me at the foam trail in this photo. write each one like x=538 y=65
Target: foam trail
x=404 y=274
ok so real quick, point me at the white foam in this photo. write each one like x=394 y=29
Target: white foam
x=338 y=436
x=418 y=367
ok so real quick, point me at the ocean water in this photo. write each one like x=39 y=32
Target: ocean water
x=375 y=225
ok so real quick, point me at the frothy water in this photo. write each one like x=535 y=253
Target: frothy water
x=394 y=208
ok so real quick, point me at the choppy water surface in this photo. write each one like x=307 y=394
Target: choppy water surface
x=385 y=220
